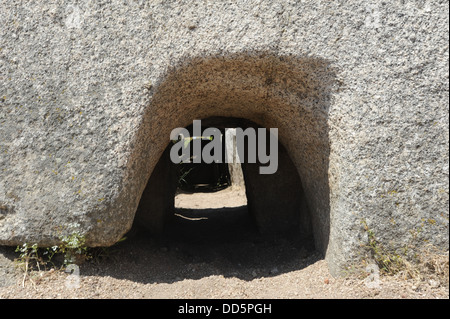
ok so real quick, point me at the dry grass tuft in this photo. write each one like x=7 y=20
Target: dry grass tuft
x=429 y=265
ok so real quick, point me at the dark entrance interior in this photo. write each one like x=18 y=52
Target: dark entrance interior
x=203 y=177
x=261 y=228
x=275 y=208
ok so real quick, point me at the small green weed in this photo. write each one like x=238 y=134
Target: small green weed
x=388 y=262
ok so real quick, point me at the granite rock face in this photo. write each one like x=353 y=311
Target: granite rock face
x=90 y=90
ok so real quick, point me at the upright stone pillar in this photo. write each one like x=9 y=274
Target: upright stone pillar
x=234 y=163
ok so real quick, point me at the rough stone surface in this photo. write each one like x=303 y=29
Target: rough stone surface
x=90 y=90
x=234 y=166
x=9 y=272
x=157 y=202
x=277 y=201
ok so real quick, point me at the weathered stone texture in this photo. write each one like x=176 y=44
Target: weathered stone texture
x=90 y=90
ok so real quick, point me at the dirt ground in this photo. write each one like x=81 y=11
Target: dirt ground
x=209 y=251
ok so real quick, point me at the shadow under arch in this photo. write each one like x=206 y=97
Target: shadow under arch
x=290 y=93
